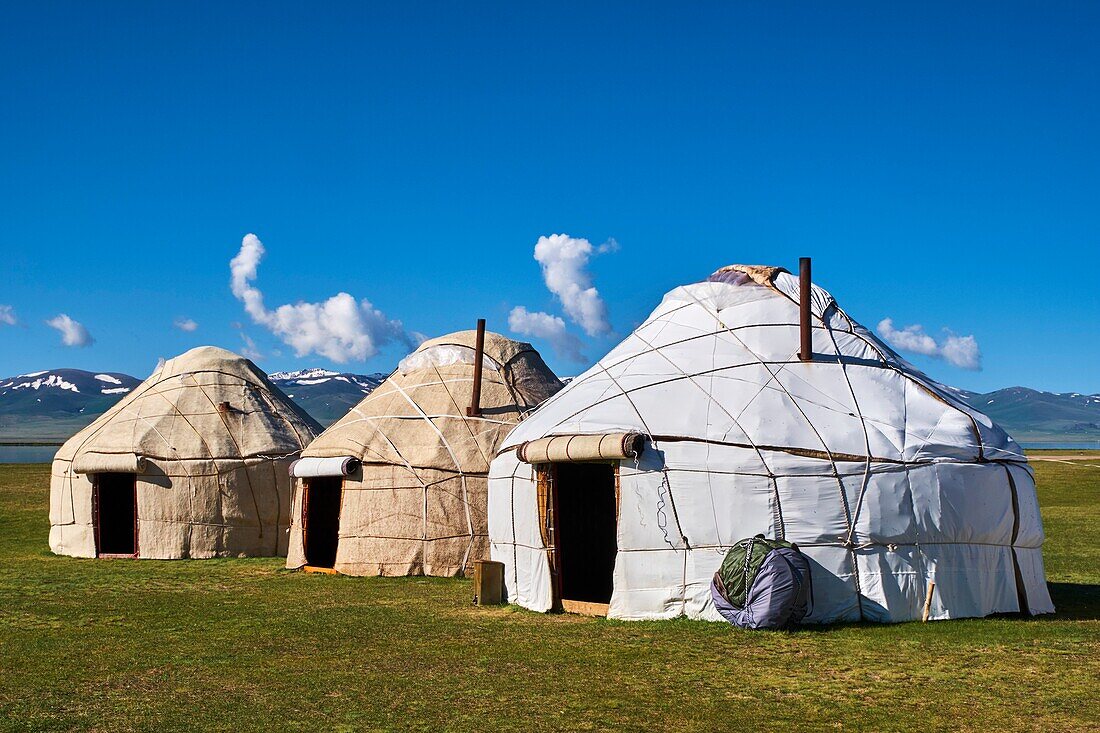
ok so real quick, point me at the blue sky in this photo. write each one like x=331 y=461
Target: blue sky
x=941 y=165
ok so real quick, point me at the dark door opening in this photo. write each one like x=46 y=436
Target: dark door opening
x=321 y=520
x=116 y=514
x=585 y=533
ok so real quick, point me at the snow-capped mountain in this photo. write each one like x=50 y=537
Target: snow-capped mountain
x=1029 y=414
x=57 y=402
x=314 y=373
x=325 y=394
x=46 y=387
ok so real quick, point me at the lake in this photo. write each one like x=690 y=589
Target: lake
x=1072 y=445
x=27 y=453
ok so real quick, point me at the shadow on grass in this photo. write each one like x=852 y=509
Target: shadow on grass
x=1074 y=601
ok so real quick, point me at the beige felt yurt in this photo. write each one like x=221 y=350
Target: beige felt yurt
x=191 y=464
x=398 y=486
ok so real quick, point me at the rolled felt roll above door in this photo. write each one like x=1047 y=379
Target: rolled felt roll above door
x=569 y=448
x=90 y=462
x=321 y=467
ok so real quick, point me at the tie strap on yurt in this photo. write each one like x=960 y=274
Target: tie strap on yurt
x=568 y=448
x=108 y=463
x=324 y=467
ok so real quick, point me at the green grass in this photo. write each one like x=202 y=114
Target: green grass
x=244 y=645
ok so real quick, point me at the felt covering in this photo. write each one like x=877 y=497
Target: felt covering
x=321 y=467
x=92 y=462
x=609 y=446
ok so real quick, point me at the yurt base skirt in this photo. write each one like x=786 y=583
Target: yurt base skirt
x=970 y=581
x=437 y=557
x=158 y=540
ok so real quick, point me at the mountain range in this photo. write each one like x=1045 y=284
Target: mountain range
x=1033 y=416
x=54 y=404
x=324 y=394
x=51 y=405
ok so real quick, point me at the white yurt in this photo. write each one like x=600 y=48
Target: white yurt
x=191 y=464
x=621 y=494
x=398 y=486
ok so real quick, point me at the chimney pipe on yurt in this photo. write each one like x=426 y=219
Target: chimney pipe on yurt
x=805 y=327
x=474 y=410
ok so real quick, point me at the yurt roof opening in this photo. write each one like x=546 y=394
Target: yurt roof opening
x=622 y=493
x=191 y=464
x=398 y=486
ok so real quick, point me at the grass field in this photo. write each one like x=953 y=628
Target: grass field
x=243 y=645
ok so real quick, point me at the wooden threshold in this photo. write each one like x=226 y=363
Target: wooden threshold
x=584 y=608
x=322 y=571
x=116 y=556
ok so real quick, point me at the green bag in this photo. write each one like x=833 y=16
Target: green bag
x=741 y=565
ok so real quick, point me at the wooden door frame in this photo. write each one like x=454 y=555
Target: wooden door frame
x=306 y=490
x=545 y=475
x=95 y=518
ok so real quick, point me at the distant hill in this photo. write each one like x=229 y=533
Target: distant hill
x=324 y=394
x=56 y=403
x=1032 y=416
x=52 y=405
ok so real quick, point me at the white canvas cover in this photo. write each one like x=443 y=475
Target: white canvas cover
x=416 y=505
x=211 y=482
x=883 y=477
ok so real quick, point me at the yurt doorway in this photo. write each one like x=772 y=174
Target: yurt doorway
x=115 y=505
x=321 y=520
x=584 y=520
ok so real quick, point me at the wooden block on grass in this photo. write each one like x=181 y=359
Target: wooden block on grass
x=488 y=582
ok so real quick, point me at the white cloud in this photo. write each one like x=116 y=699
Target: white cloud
x=911 y=338
x=185 y=324
x=72 y=332
x=545 y=326
x=7 y=316
x=564 y=261
x=961 y=351
x=242 y=270
x=340 y=328
x=250 y=350
x=611 y=245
